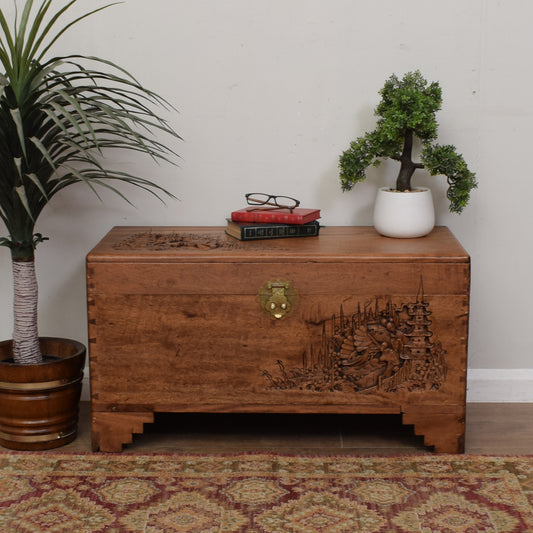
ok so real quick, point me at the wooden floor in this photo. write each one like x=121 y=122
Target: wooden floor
x=493 y=429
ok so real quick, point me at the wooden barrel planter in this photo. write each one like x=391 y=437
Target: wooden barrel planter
x=39 y=404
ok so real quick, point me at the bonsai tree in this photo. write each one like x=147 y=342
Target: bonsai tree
x=59 y=116
x=407 y=109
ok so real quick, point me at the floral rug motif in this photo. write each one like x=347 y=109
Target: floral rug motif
x=270 y=493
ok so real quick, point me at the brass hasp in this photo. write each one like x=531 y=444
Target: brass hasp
x=277 y=298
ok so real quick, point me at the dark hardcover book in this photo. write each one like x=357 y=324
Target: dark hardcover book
x=299 y=215
x=249 y=231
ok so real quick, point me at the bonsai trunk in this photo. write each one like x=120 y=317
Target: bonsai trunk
x=26 y=349
x=408 y=166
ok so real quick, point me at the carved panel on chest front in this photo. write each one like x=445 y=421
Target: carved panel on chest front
x=161 y=241
x=383 y=347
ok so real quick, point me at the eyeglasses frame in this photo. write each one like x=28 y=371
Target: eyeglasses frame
x=274 y=205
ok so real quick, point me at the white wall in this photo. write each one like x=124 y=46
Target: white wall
x=270 y=92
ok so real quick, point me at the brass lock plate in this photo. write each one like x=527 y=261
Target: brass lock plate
x=277 y=298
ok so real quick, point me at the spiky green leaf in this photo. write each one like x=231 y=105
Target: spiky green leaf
x=21 y=192
x=17 y=119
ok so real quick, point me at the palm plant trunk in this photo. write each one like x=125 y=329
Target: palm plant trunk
x=26 y=349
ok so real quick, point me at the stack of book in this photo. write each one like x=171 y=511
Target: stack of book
x=251 y=224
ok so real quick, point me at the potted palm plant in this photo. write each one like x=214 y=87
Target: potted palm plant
x=407 y=111
x=59 y=116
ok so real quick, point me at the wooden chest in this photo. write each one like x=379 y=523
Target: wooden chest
x=186 y=319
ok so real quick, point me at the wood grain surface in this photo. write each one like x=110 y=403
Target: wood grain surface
x=176 y=324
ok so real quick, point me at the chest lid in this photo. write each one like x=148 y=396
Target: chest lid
x=205 y=244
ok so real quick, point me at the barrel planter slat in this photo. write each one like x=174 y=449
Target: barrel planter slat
x=39 y=404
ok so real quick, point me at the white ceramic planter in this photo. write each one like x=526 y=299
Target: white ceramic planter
x=404 y=215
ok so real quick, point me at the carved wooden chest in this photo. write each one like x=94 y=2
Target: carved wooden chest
x=191 y=320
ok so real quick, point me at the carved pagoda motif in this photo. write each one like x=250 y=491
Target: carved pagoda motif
x=384 y=348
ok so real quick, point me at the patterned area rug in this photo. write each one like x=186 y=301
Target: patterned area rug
x=254 y=493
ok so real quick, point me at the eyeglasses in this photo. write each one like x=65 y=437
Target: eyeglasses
x=277 y=202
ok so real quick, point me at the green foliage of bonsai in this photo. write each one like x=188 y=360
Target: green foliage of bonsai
x=407 y=109
x=59 y=117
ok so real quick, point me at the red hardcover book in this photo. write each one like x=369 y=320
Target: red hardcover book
x=299 y=215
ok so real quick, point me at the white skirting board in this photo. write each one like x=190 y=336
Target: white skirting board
x=487 y=385
x=499 y=385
